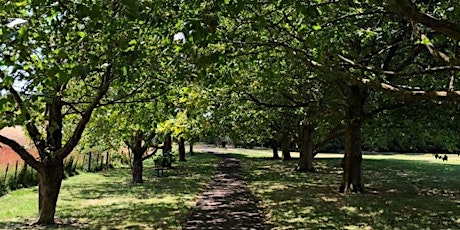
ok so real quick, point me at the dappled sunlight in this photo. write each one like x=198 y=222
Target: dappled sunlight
x=401 y=194
x=227 y=202
x=329 y=199
x=349 y=210
x=109 y=200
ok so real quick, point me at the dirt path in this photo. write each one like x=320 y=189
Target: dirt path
x=228 y=203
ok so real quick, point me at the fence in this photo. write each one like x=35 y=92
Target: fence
x=94 y=162
x=20 y=175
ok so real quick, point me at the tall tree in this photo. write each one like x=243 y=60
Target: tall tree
x=69 y=57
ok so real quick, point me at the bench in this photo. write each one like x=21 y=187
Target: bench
x=160 y=167
x=160 y=170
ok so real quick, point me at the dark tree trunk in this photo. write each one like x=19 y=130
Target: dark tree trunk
x=138 y=166
x=181 y=149
x=191 y=149
x=52 y=153
x=275 y=150
x=54 y=128
x=306 y=149
x=285 y=149
x=138 y=150
x=51 y=175
x=167 y=149
x=49 y=184
x=352 y=175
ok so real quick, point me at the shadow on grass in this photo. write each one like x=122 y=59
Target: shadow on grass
x=401 y=194
x=110 y=201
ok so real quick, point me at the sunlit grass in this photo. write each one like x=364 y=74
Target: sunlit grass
x=404 y=194
x=267 y=153
x=109 y=200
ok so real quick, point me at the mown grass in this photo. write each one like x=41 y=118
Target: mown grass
x=401 y=194
x=108 y=200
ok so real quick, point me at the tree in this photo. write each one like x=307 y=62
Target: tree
x=358 y=46
x=69 y=57
x=134 y=125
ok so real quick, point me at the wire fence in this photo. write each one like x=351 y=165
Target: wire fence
x=20 y=175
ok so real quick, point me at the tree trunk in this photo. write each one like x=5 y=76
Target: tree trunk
x=49 y=184
x=274 y=145
x=275 y=150
x=138 y=167
x=352 y=171
x=138 y=150
x=191 y=149
x=306 y=149
x=181 y=149
x=54 y=127
x=285 y=149
x=167 y=148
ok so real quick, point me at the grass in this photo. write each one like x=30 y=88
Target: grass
x=406 y=192
x=108 y=200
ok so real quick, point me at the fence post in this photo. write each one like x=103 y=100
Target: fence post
x=97 y=162
x=75 y=164
x=6 y=171
x=22 y=175
x=101 y=164
x=15 y=171
x=107 y=159
x=83 y=162
x=89 y=162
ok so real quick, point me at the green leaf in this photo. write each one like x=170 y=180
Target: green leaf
x=316 y=27
x=23 y=32
x=132 y=42
x=81 y=34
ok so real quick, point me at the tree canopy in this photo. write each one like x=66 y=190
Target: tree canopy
x=277 y=71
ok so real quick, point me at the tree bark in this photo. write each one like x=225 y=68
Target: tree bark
x=54 y=127
x=285 y=149
x=352 y=171
x=409 y=10
x=181 y=149
x=191 y=149
x=138 y=167
x=167 y=149
x=138 y=150
x=49 y=184
x=275 y=150
x=306 y=149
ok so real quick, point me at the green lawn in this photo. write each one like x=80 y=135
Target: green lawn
x=406 y=193
x=403 y=192
x=108 y=200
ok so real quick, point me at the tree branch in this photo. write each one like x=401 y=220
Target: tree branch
x=31 y=128
x=22 y=152
x=412 y=95
x=81 y=125
x=335 y=133
x=436 y=69
x=150 y=155
x=269 y=105
x=409 y=10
